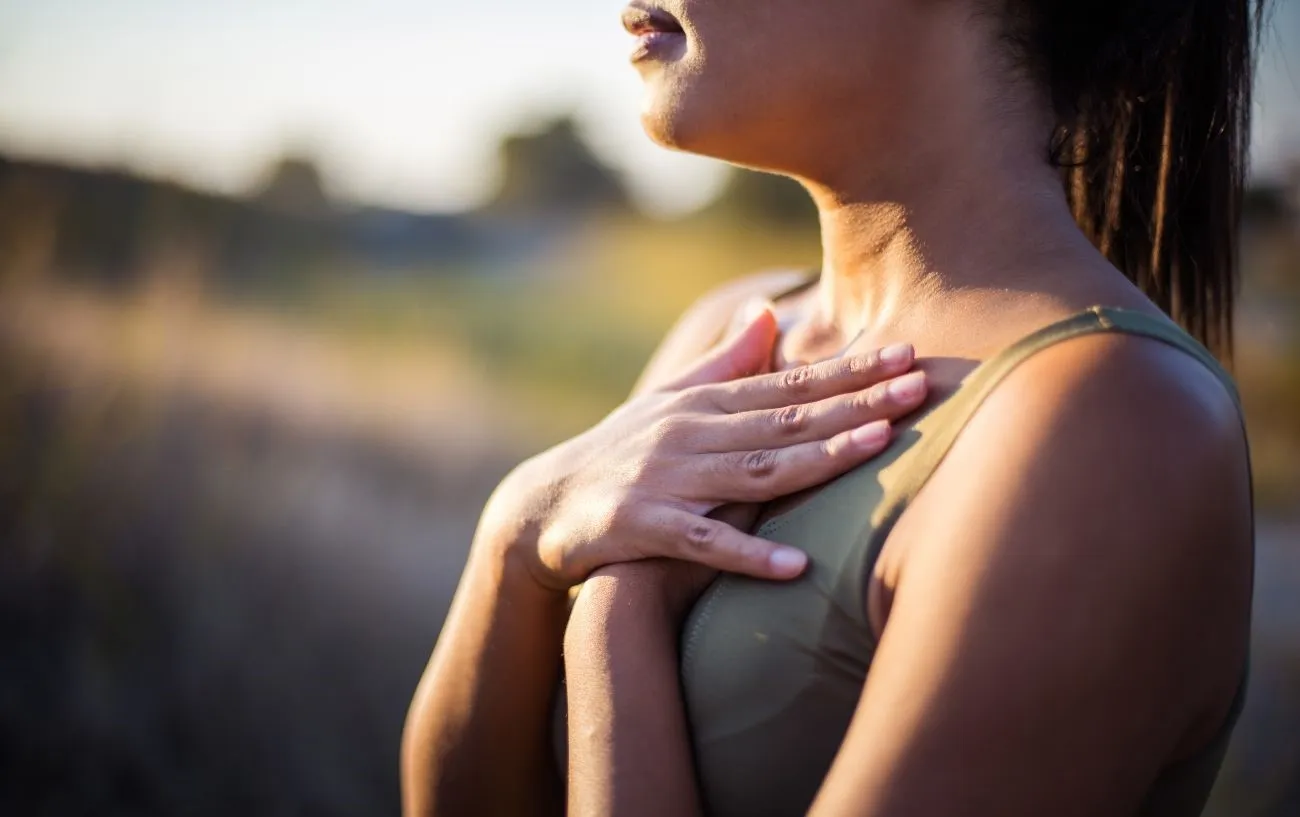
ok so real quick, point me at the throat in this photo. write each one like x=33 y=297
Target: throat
x=810 y=339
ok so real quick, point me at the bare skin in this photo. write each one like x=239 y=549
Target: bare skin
x=1064 y=610
x=657 y=479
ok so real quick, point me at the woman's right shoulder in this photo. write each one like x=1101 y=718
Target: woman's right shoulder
x=707 y=320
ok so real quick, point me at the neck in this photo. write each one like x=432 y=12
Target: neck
x=893 y=246
x=964 y=202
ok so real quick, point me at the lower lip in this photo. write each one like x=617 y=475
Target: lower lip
x=657 y=45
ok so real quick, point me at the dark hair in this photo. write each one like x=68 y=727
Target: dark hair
x=1153 y=104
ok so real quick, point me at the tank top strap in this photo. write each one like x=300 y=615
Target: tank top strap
x=945 y=423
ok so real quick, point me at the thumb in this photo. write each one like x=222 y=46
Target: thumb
x=747 y=352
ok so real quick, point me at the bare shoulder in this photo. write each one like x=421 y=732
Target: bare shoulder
x=1102 y=495
x=1126 y=407
x=1069 y=595
x=705 y=321
x=1124 y=447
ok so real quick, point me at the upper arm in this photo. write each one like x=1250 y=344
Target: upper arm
x=1065 y=621
x=705 y=322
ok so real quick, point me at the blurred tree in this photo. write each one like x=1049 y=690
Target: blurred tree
x=553 y=171
x=765 y=197
x=294 y=186
x=292 y=230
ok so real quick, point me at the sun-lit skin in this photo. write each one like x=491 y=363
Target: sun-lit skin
x=945 y=228
x=904 y=121
x=775 y=83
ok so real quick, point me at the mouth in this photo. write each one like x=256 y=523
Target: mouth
x=658 y=33
x=641 y=20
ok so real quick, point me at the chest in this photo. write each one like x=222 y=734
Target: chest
x=771 y=673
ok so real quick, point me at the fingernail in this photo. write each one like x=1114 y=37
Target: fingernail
x=897 y=354
x=788 y=561
x=908 y=387
x=871 y=434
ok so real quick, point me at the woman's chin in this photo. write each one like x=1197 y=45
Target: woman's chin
x=674 y=125
x=683 y=111
x=661 y=127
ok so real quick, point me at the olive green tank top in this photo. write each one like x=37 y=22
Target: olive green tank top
x=772 y=672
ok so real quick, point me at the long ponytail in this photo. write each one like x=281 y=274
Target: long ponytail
x=1153 y=100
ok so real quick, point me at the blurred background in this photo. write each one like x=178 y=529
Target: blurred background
x=285 y=288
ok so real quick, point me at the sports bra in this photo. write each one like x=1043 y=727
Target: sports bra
x=772 y=672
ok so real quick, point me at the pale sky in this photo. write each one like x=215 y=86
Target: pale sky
x=402 y=101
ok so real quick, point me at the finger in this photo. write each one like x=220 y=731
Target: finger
x=746 y=353
x=683 y=535
x=806 y=384
x=765 y=474
x=809 y=422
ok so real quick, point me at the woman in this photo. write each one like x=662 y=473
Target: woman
x=1032 y=596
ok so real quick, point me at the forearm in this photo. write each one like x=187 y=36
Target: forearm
x=477 y=737
x=629 y=749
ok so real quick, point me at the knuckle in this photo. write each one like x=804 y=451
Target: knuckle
x=701 y=535
x=872 y=361
x=791 y=419
x=691 y=397
x=669 y=432
x=860 y=365
x=854 y=366
x=865 y=401
x=830 y=449
x=797 y=381
x=702 y=399
x=877 y=396
x=759 y=465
